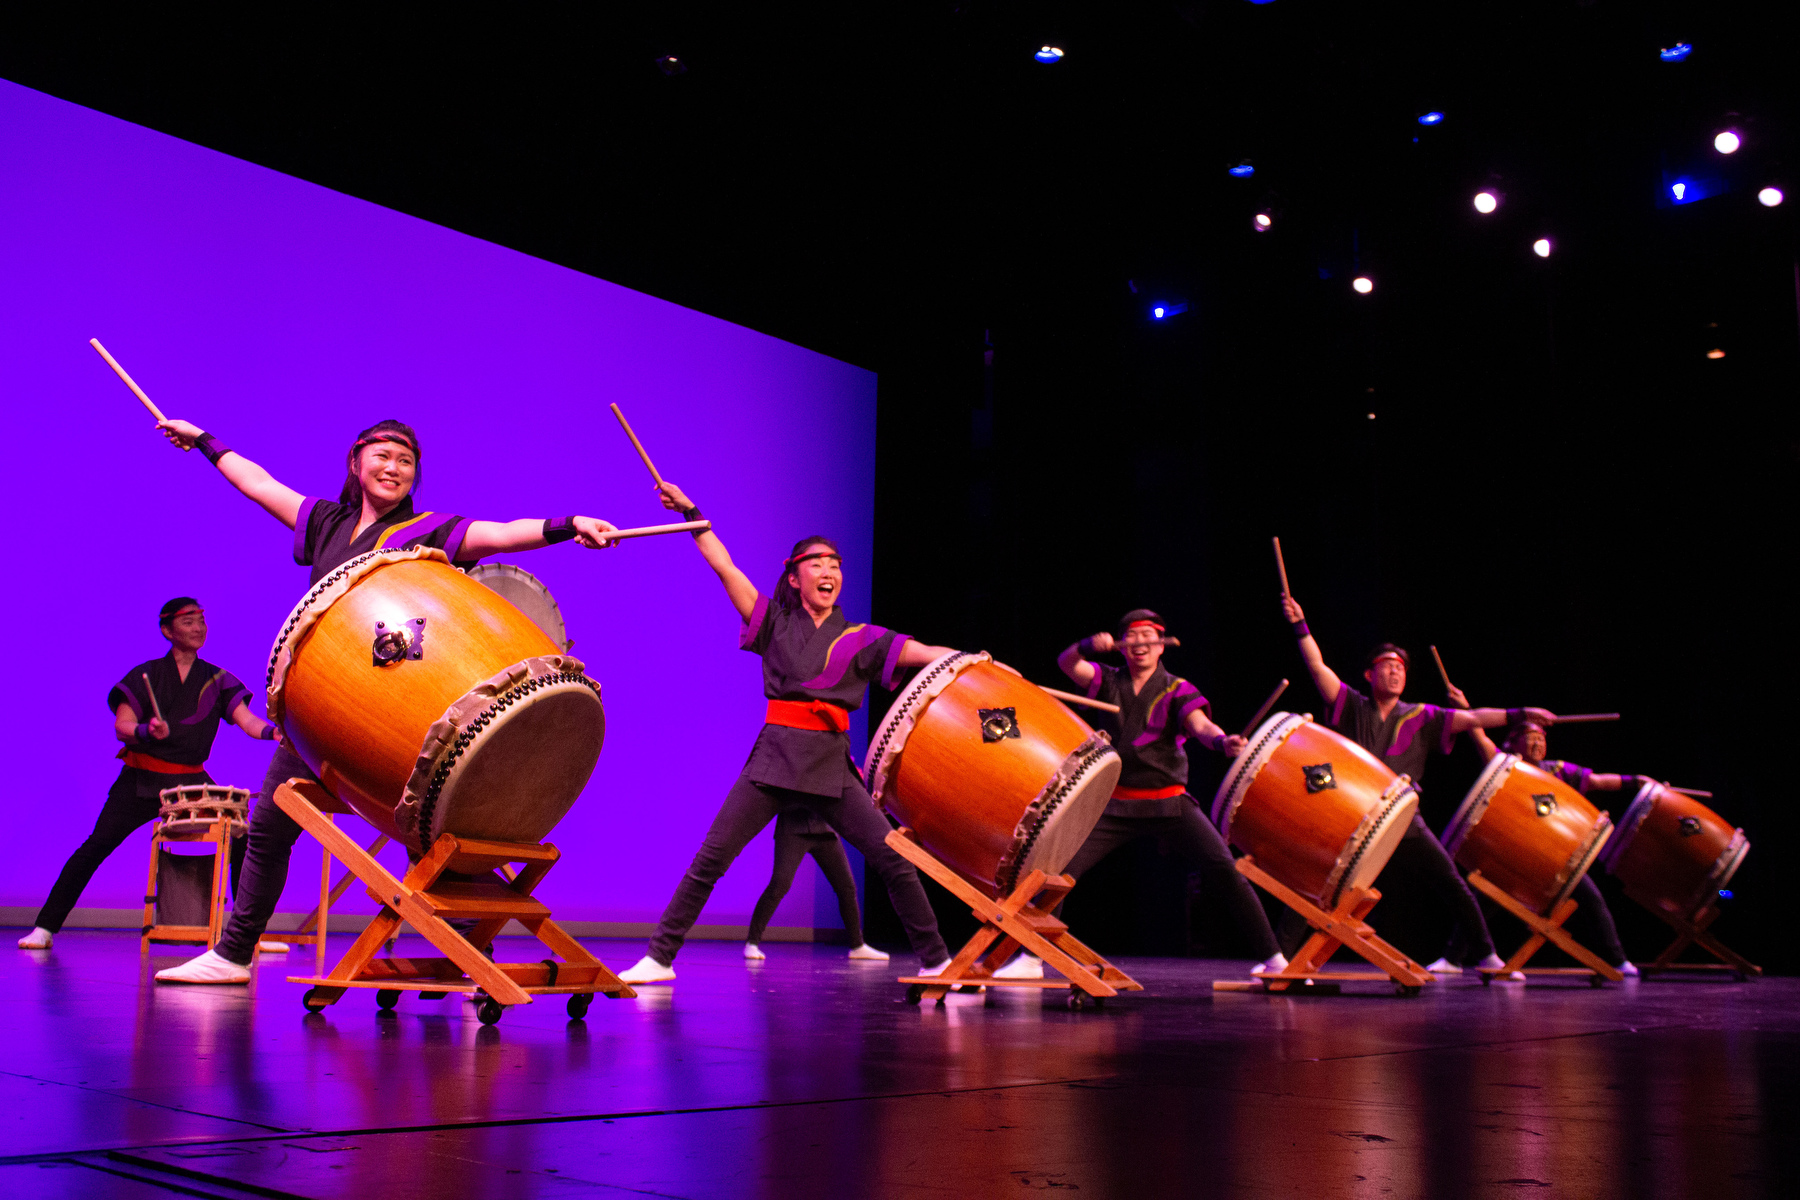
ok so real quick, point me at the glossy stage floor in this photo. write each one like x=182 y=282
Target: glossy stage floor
x=809 y=1076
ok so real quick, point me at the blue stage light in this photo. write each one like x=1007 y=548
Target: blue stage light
x=1724 y=893
x=1049 y=54
x=1163 y=312
x=1431 y=118
x=1243 y=170
x=1675 y=53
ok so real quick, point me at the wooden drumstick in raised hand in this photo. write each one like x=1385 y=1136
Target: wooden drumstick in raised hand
x=1442 y=674
x=642 y=453
x=130 y=383
x=1280 y=567
x=155 y=708
x=1264 y=710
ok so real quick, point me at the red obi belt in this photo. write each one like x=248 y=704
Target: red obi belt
x=144 y=762
x=808 y=714
x=1161 y=793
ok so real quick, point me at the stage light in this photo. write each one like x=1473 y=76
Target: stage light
x=671 y=66
x=1431 y=118
x=1769 y=197
x=1163 y=312
x=1724 y=893
x=1541 y=247
x=1675 y=53
x=1363 y=284
x=1726 y=141
x=1679 y=191
x=1049 y=54
x=1243 y=170
x=1715 y=354
x=1261 y=222
x=1486 y=202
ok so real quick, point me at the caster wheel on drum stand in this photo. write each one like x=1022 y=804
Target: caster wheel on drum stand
x=489 y=1011
x=578 y=1006
x=313 y=1001
x=432 y=995
x=1406 y=989
x=1487 y=980
x=1077 y=1000
x=387 y=999
x=1596 y=981
x=915 y=993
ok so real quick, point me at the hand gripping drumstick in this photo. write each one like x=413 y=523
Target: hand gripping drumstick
x=1442 y=674
x=129 y=381
x=1280 y=567
x=148 y=690
x=626 y=426
x=1072 y=698
x=1264 y=710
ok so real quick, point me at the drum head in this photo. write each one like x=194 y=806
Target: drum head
x=527 y=593
x=1475 y=804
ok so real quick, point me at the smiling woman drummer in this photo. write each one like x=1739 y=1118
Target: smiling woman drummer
x=816 y=668
x=374 y=511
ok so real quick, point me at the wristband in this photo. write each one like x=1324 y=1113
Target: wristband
x=1218 y=743
x=693 y=514
x=1301 y=632
x=212 y=447
x=142 y=733
x=1627 y=782
x=1515 y=716
x=559 y=529
x=268 y=733
x=1086 y=647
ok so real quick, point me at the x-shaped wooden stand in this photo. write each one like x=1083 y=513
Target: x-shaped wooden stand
x=1691 y=931
x=1021 y=919
x=427 y=902
x=1343 y=925
x=1544 y=928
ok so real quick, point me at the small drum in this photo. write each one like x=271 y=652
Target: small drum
x=429 y=704
x=190 y=811
x=1672 y=852
x=1529 y=832
x=995 y=776
x=527 y=593
x=1316 y=811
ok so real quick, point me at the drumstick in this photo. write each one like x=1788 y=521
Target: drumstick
x=1586 y=718
x=1264 y=710
x=129 y=381
x=1692 y=792
x=154 y=706
x=619 y=535
x=1445 y=675
x=1280 y=567
x=626 y=426
x=1072 y=698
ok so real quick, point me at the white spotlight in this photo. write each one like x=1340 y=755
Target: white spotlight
x=1727 y=141
x=1486 y=202
x=1541 y=247
x=1769 y=197
x=1363 y=284
x=1261 y=221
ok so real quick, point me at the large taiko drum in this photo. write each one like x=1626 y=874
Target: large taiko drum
x=1529 y=832
x=994 y=775
x=1316 y=811
x=527 y=593
x=429 y=704
x=1672 y=852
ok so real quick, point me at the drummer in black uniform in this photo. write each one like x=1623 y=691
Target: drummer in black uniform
x=816 y=668
x=161 y=751
x=1404 y=736
x=1158 y=712
x=1591 y=923
x=799 y=832
x=374 y=511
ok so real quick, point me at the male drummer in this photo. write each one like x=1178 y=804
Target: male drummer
x=374 y=511
x=1591 y=923
x=1158 y=712
x=161 y=751
x=1404 y=736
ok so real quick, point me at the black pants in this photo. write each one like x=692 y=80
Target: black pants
x=748 y=808
x=791 y=849
x=1193 y=839
x=1422 y=858
x=130 y=804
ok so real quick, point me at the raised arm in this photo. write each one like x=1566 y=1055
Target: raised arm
x=1323 y=677
x=737 y=584
x=1202 y=729
x=1074 y=662
x=277 y=498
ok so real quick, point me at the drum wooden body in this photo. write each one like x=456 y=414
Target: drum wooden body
x=476 y=724
x=192 y=809
x=1672 y=852
x=1317 y=811
x=527 y=593
x=1529 y=832
x=995 y=776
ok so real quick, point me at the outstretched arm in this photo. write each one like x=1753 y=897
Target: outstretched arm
x=1493 y=718
x=1202 y=729
x=1074 y=663
x=917 y=654
x=1323 y=677
x=1483 y=742
x=277 y=498
x=527 y=533
x=737 y=584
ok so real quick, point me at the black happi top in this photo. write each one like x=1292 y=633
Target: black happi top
x=1148 y=734
x=323 y=541
x=833 y=662
x=192 y=708
x=1404 y=741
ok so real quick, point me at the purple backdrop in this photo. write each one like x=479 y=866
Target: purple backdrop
x=286 y=317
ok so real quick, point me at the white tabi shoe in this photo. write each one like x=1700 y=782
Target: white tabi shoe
x=1271 y=966
x=868 y=953
x=1493 y=961
x=648 y=970
x=928 y=972
x=40 y=939
x=1444 y=966
x=752 y=952
x=208 y=968
x=267 y=947
x=1023 y=966
x=1627 y=968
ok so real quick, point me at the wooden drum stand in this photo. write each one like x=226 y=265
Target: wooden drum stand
x=1022 y=919
x=425 y=902
x=1545 y=927
x=1691 y=931
x=1344 y=926
x=216 y=834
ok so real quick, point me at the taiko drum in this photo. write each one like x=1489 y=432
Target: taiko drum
x=1314 y=809
x=1528 y=832
x=429 y=704
x=996 y=777
x=1673 y=853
